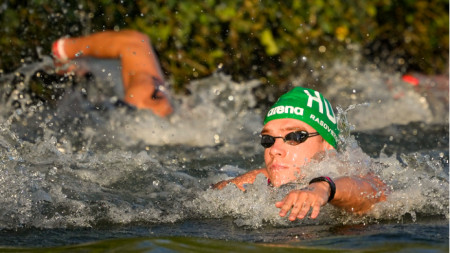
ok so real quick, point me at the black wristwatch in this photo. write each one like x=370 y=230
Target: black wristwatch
x=330 y=182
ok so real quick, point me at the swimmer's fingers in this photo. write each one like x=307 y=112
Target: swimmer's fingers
x=305 y=205
x=220 y=185
x=286 y=203
x=316 y=210
x=301 y=207
x=299 y=203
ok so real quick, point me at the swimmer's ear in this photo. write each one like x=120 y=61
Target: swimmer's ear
x=326 y=145
x=327 y=149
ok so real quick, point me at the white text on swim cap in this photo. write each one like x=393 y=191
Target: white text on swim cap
x=318 y=99
x=324 y=125
x=285 y=109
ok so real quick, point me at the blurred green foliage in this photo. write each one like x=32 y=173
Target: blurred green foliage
x=244 y=38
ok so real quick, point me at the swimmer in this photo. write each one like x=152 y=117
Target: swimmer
x=300 y=125
x=142 y=77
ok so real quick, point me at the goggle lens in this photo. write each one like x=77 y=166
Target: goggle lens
x=293 y=138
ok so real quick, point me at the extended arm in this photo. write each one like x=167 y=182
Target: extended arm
x=358 y=194
x=141 y=73
x=131 y=47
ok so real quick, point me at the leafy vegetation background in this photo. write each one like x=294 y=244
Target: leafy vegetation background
x=244 y=38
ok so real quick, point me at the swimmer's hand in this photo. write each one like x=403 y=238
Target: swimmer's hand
x=299 y=202
x=240 y=181
x=145 y=93
x=220 y=185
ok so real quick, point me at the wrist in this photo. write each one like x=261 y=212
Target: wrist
x=330 y=182
x=58 y=50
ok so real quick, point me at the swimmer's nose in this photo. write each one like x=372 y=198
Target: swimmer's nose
x=277 y=149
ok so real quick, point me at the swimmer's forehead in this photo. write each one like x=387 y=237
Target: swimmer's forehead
x=285 y=125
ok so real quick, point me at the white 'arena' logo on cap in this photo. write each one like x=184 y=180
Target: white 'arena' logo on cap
x=285 y=109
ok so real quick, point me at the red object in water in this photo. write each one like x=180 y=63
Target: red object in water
x=411 y=80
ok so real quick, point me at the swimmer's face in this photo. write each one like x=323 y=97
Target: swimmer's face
x=141 y=93
x=284 y=161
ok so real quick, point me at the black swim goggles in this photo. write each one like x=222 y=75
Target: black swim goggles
x=293 y=138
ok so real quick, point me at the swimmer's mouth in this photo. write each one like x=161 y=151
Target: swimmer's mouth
x=275 y=167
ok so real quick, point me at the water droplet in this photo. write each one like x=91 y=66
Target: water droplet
x=322 y=49
x=216 y=138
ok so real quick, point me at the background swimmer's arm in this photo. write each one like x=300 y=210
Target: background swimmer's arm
x=141 y=73
x=247 y=178
x=358 y=194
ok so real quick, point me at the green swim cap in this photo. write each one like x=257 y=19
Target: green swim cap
x=310 y=107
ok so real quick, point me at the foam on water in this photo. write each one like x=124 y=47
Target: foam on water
x=216 y=114
x=387 y=99
x=76 y=165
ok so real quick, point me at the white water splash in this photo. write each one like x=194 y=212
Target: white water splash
x=78 y=166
